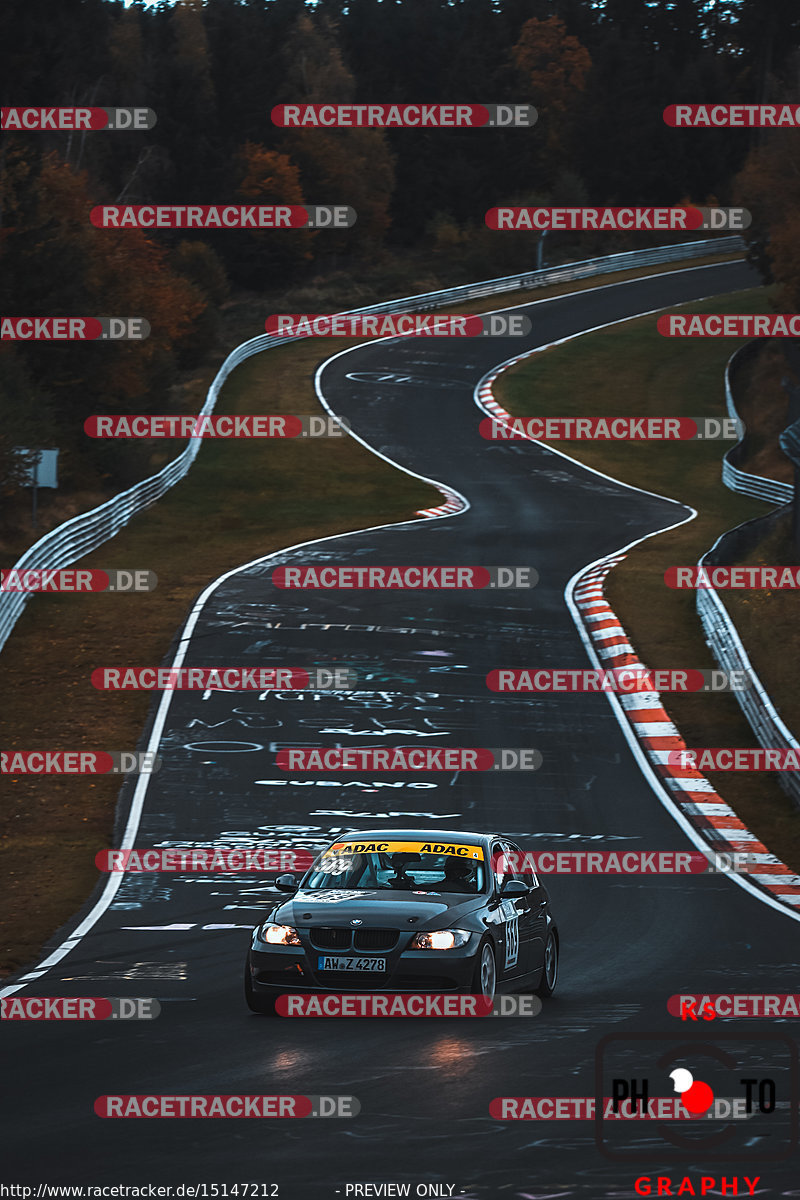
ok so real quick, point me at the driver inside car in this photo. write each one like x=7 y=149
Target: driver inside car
x=458 y=876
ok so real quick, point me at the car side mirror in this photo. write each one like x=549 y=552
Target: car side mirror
x=513 y=889
x=286 y=883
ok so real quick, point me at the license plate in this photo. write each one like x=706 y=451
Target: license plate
x=326 y=963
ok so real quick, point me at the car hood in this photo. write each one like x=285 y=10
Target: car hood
x=375 y=909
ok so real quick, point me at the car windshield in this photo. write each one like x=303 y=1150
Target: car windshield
x=401 y=871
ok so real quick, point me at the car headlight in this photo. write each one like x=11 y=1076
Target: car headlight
x=440 y=939
x=279 y=935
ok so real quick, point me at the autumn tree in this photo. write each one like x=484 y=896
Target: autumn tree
x=553 y=66
x=56 y=263
x=268 y=177
x=769 y=186
x=338 y=166
x=190 y=103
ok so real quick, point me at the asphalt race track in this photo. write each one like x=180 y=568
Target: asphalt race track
x=627 y=943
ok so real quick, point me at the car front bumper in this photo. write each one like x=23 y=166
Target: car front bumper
x=276 y=970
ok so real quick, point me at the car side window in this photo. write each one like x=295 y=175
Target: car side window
x=516 y=860
x=499 y=864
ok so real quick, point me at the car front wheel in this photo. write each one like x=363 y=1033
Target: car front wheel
x=484 y=980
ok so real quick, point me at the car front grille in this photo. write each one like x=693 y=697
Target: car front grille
x=331 y=938
x=375 y=939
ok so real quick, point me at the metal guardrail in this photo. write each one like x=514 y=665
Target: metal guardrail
x=755 y=703
x=721 y=633
x=789 y=442
x=69 y=542
x=770 y=490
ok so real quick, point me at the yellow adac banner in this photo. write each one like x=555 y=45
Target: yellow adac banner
x=389 y=847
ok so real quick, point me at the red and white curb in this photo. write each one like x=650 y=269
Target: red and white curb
x=711 y=817
x=689 y=790
x=453 y=504
x=486 y=396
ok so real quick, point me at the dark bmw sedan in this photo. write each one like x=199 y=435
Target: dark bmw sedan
x=407 y=911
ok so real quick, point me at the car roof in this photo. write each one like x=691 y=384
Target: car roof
x=425 y=835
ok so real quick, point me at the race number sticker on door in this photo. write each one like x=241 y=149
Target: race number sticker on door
x=511 y=918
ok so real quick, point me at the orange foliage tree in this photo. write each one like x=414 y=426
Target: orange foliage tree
x=554 y=67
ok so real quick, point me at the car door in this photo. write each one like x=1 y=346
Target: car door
x=536 y=912
x=512 y=916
